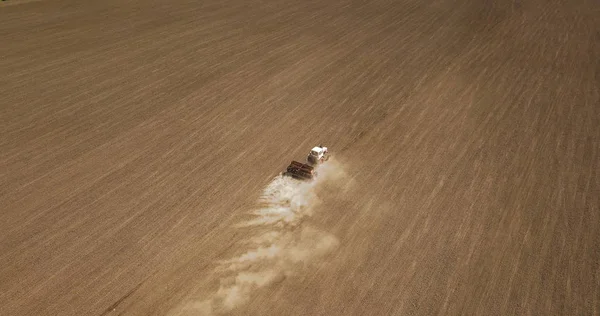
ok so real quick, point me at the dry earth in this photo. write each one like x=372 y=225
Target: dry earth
x=137 y=135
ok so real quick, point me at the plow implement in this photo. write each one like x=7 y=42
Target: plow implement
x=300 y=171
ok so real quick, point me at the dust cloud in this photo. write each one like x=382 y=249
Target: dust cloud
x=281 y=243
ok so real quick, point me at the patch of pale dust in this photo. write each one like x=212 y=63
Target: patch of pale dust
x=15 y=2
x=284 y=245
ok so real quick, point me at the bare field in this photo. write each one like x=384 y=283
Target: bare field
x=141 y=142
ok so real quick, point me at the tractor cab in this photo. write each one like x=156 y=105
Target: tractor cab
x=317 y=155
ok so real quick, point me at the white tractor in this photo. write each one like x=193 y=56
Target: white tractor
x=307 y=171
x=317 y=155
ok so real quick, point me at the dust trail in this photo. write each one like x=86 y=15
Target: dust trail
x=282 y=242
